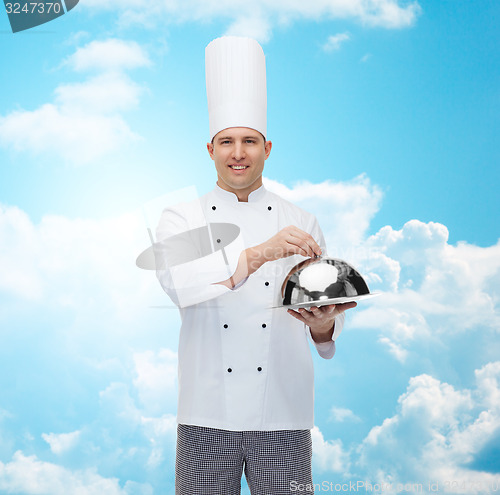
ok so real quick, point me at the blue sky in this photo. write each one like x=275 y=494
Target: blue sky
x=383 y=116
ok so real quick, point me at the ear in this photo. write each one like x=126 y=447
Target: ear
x=267 y=148
x=210 y=149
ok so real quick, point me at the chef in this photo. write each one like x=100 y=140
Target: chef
x=245 y=366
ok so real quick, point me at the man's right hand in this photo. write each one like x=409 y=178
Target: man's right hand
x=289 y=241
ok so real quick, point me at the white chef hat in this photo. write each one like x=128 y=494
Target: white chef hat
x=235 y=70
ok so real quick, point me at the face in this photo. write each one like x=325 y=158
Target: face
x=239 y=154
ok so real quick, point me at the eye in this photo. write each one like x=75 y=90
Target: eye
x=250 y=141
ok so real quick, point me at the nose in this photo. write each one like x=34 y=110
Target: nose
x=238 y=151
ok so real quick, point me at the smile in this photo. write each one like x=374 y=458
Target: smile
x=238 y=167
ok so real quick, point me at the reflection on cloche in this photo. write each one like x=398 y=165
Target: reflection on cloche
x=323 y=280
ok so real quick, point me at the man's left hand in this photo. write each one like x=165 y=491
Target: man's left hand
x=321 y=320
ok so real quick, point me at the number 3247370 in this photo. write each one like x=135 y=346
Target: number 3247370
x=33 y=8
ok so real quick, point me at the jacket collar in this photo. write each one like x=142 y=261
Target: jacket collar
x=253 y=197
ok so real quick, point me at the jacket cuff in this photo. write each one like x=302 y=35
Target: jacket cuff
x=325 y=349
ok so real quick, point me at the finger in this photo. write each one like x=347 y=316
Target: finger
x=308 y=315
x=345 y=306
x=329 y=308
x=306 y=238
x=296 y=315
x=318 y=312
x=302 y=243
x=313 y=246
x=316 y=249
x=296 y=247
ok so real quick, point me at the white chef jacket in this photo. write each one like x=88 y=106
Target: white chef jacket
x=243 y=365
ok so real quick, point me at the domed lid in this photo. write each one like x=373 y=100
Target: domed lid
x=322 y=281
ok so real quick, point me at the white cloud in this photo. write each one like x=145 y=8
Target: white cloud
x=488 y=379
x=120 y=408
x=259 y=17
x=128 y=434
x=155 y=429
x=84 y=122
x=77 y=37
x=78 y=264
x=31 y=476
x=251 y=26
x=344 y=209
x=77 y=138
x=161 y=432
x=156 y=374
x=433 y=289
x=4 y=414
x=109 y=55
x=62 y=442
x=7 y=438
x=334 y=42
x=18 y=254
x=342 y=414
x=436 y=433
x=105 y=95
x=397 y=350
x=328 y=455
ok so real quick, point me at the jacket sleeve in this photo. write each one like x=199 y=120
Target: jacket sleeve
x=327 y=349
x=188 y=266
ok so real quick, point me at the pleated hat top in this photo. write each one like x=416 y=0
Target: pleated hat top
x=235 y=70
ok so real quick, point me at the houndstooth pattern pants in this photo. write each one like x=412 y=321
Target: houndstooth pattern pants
x=211 y=461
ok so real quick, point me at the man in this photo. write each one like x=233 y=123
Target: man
x=245 y=368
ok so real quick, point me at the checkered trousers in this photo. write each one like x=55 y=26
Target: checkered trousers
x=211 y=461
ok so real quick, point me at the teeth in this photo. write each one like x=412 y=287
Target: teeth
x=238 y=167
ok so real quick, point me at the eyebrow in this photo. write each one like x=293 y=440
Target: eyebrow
x=222 y=138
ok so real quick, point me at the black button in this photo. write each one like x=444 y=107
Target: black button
x=266 y=284
x=218 y=240
x=264 y=325
x=229 y=370
x=214 y=208
x=259 y=369
x=269 y=208
x=225 y=326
